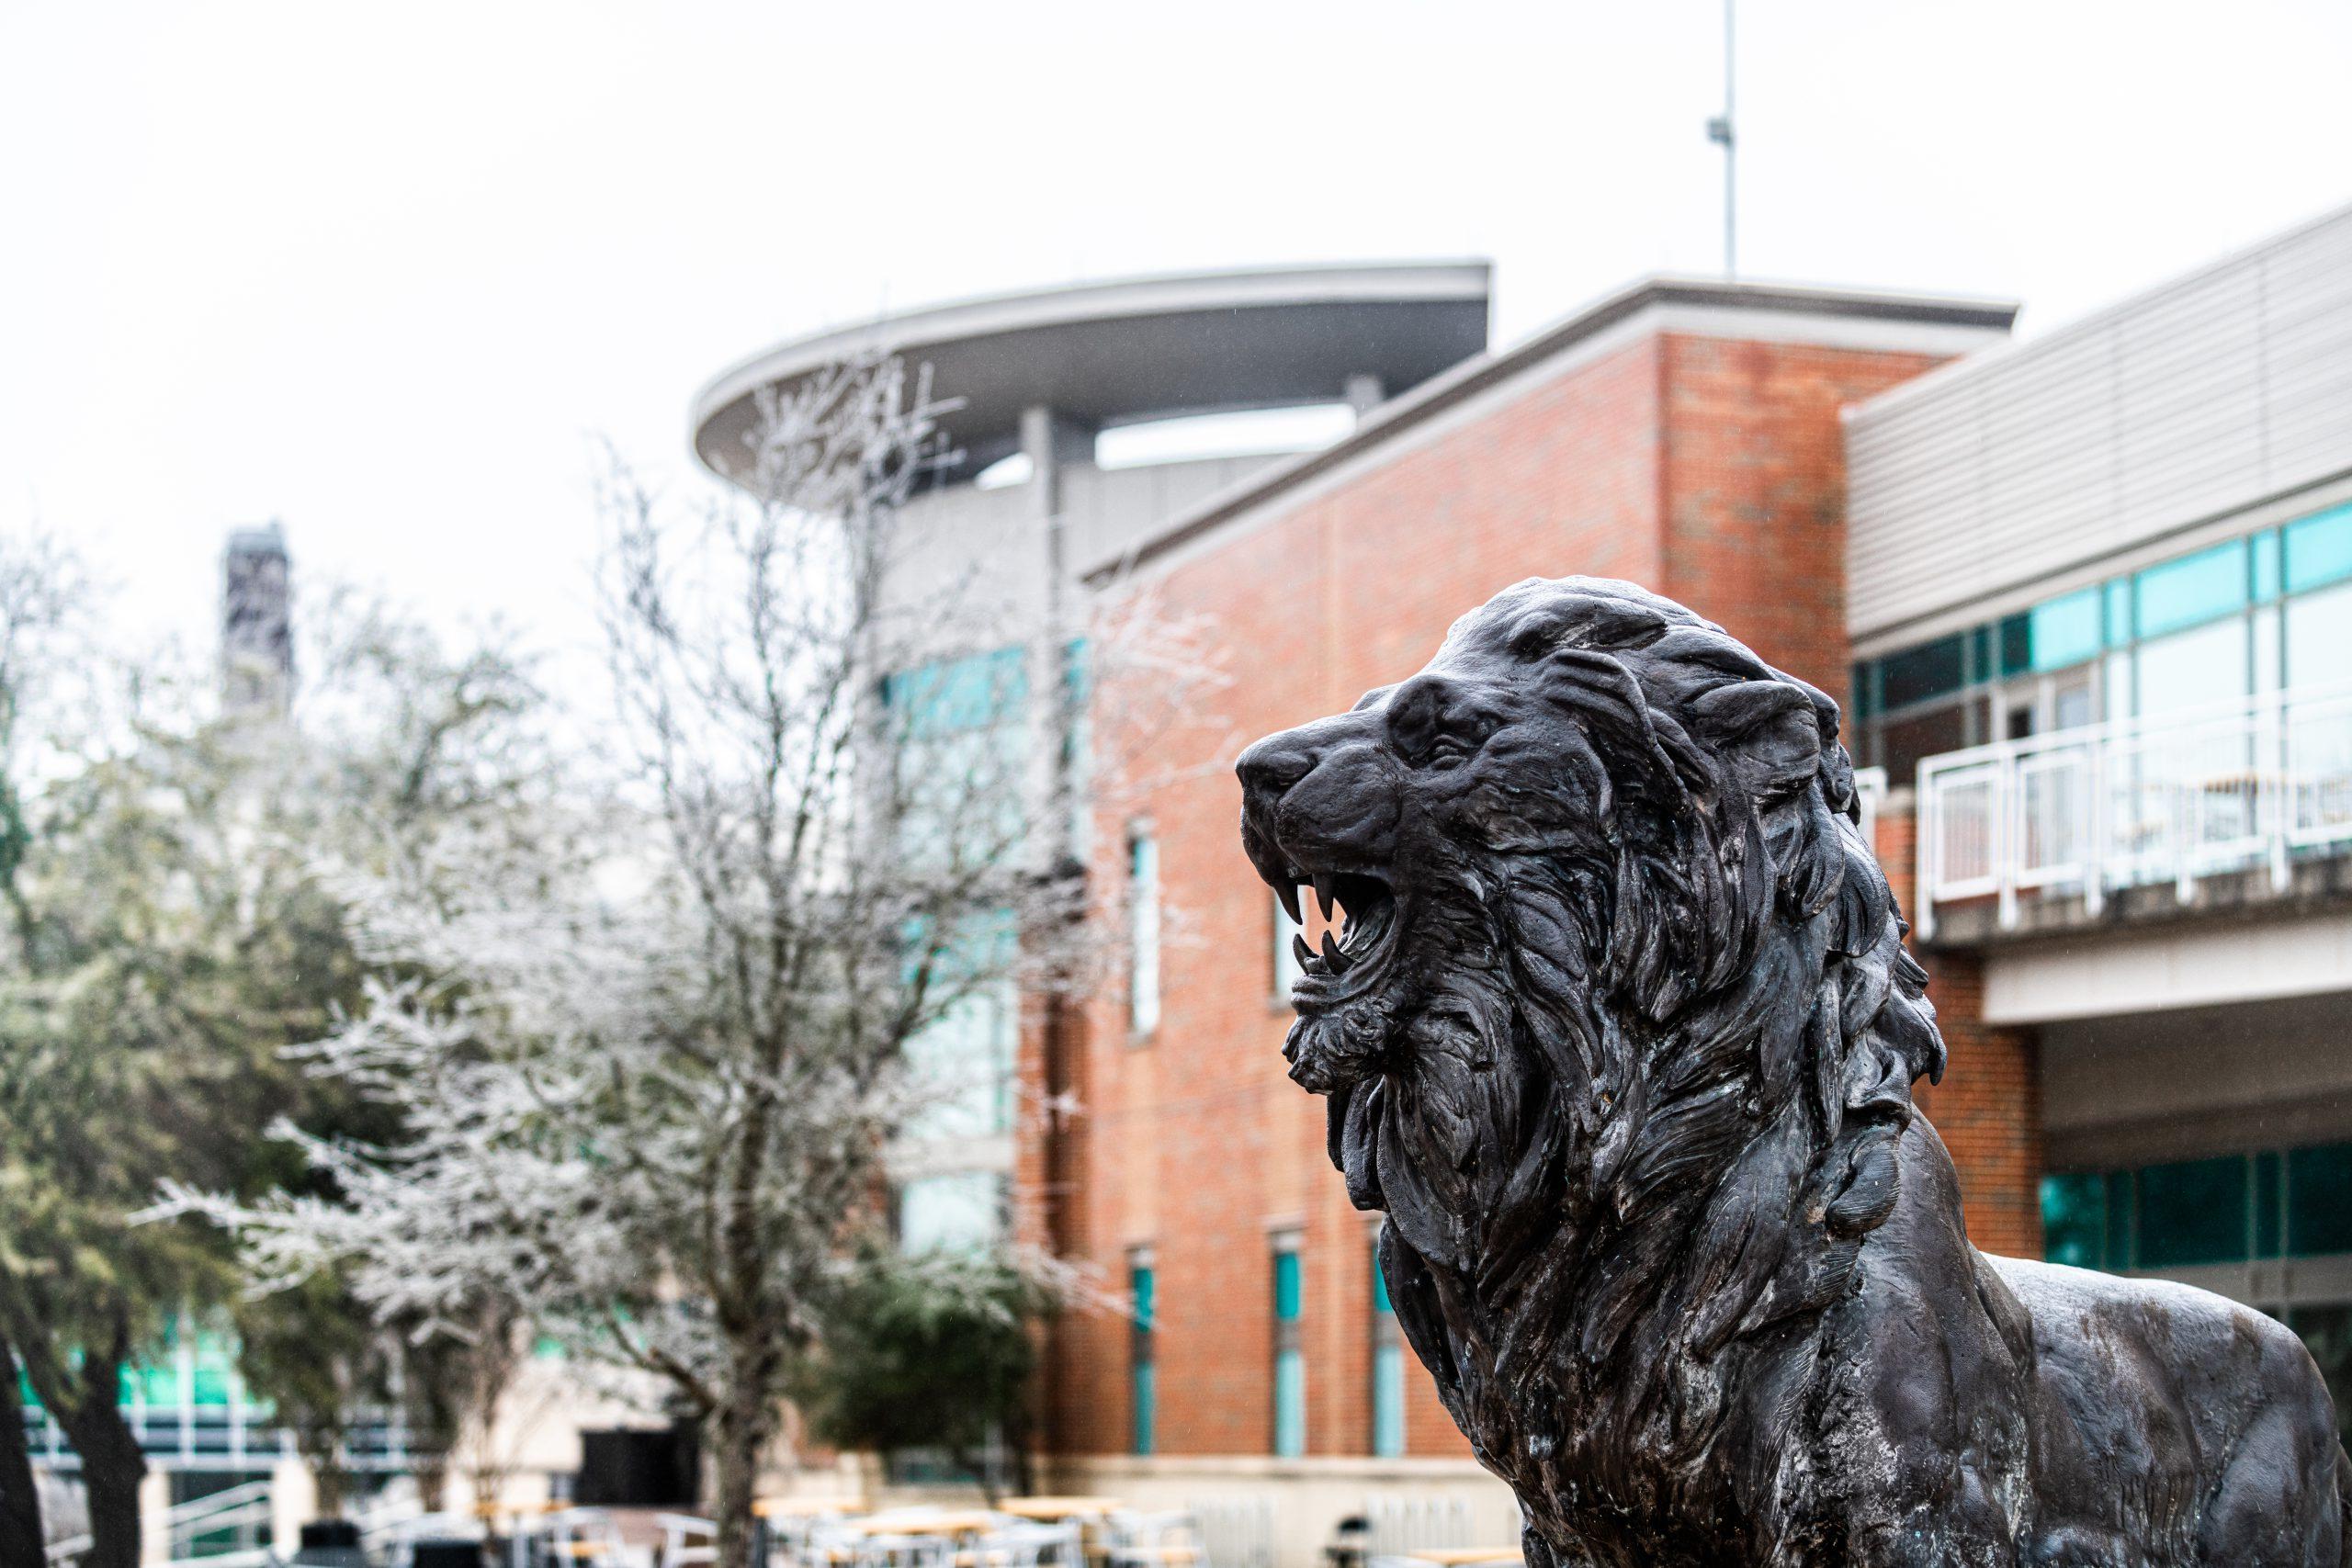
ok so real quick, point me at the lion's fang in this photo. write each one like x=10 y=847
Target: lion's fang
x=1288 y=893
x=1323 y=893
x=1300 y=951
x=1333 y=958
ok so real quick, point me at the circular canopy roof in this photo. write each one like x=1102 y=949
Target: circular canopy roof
x=1120 y=353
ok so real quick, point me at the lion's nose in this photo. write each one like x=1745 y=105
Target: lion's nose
x=1270 y=767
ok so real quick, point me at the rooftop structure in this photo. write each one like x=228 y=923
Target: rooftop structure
x=1103 y=354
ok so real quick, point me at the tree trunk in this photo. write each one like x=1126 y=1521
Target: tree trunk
x=738 y=1431
x=112 y=1464
x=20 y=1535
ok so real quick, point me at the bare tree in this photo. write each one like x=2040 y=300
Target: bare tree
x=649 y=1072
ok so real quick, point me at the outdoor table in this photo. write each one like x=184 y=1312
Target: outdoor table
x=1050 y=1510
x=802 y=1507
x=973 y=1523
x=1464 y=1556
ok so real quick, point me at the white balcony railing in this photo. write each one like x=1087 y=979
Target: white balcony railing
x=2130 y=803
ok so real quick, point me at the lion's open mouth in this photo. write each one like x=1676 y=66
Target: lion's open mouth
x=1354 y=963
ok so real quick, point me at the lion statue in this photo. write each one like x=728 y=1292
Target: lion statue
x=1619 y=1037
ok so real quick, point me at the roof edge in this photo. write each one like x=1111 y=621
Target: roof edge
x=1474 y=375
x=980 y=315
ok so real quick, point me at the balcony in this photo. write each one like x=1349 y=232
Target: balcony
x=2251 y=800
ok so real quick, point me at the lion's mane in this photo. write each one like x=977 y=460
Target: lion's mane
x=1716 y=1026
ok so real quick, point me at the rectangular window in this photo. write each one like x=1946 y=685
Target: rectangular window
x=1290 y=1358
x=2268 y=578
x=2191 y=590
x=1143 y=935
x=2193 y=670
x=2194 y=1212
x=1918 y=673
x=2319 y=1201
x=2319 y=548
x=2319 y=638
x=2064 y=631
x=1387 y=1368
x=2119 y=612
x=1143 y=1289
x=2073 y=1219
x=956 y=1211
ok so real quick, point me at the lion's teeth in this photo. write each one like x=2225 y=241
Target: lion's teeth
x=1300 y=951
x=1333 y=958
x=1288 y=893
x=1323 y=893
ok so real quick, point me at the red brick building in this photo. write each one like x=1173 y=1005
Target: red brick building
x=1685 y=435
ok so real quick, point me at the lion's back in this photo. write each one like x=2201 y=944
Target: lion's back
x=2199 y=1426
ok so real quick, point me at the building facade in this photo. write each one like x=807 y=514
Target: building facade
x=1681 y=434
x=2100 y=591
x=2087 y=600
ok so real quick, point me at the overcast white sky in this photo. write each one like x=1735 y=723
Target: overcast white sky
x=383 y=270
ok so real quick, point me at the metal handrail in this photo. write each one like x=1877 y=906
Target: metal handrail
x=2130 y=802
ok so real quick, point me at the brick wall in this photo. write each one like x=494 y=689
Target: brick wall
x=1988 y=1108
x=1709 y=469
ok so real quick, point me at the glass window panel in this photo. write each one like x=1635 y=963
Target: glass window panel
x=2073 y=1219
x=961 y=1068
x=1379 y=1283
x=1290 y=1404
x=1860 y=688
x=2064 y=631
x=2319 y=638
x=1143 y=980
x=1980 y=653
x=1388 y=1400
x=2266 y=564
x=1904 y=742
x=957 y=1212
x=2016 y=644
x=2122 y=1220
x=1147 y=1393
x=2193 y=1212
x=2193 y=589
x=1144 y=1287
x=2119 y=612
x=1917 y=673
x=2319 y=1201
x=2193 y=670
x=2118 y=692
x=1286 y=1292
x=2319 y=548
x=2268 y=1204
x=2267 y=667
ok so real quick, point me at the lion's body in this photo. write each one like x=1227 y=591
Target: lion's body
x=1621 y=1042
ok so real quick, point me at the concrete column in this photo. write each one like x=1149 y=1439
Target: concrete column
x=1365 y=393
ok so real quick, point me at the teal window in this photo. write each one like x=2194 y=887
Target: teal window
x=2192 y=589
x=1143 y=1288
x=1916 y=674
x=2319 y=548
x=2119 y=612
x=2293 y=1202
x=2064 y=631
x=960 y=694
x=2319 y=1201
x=2267 y=574
x=1387 y=1369
x=2194 y=1212
x=2073 y=1219
x=1290 y=1358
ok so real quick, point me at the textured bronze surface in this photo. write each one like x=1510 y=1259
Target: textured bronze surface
x=1621 y=1037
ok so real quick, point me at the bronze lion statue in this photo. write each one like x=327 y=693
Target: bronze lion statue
x=1621 y=1037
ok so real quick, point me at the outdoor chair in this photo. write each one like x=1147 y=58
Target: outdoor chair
x=686 y=1540
x=1169 y=1539
x=583 y=1538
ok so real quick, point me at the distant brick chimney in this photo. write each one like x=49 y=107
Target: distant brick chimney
x=256 y=622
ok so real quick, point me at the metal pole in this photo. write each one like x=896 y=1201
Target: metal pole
x=1731 y=154
x=1721 y=131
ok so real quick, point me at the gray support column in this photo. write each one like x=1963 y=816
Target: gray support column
x=1364 y=394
